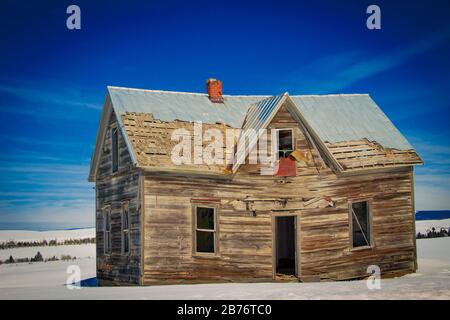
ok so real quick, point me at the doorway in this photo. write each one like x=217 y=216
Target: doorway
x=285 y=245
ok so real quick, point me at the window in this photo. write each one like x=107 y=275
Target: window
x=125 y=228
x=115 y=149
x=107 y=229
x=205 y=230
x=285 y=142
x=360 y=224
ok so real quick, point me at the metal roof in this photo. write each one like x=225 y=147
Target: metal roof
x=337 y=117
x=259 y=112
x=170 y=106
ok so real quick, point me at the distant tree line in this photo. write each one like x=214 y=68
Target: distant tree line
x=44 y=243
x=37 y=258
x=434 y=233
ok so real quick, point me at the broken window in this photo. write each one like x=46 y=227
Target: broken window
x=125 y=228
x=205 y=229
x=360 y=224
x=115 y=149
x=285 y=142
x=107 y=230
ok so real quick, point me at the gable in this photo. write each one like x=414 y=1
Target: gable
x=101 y=161
x=347 y=155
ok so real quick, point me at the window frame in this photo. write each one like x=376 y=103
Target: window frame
x=115 y=149
x=107 y=245
x=215 y=207
x=277 y=140
x=369 y=219
x=125 y=232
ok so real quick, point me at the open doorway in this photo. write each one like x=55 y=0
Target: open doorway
x=285 y=239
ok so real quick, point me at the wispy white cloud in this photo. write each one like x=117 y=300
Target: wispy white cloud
x=32 y=187
x=432 y=181
x=338 y=71
x=36 y=141
x=44 y=95
x=431 y=198
x=66 y=215
x=47 y=168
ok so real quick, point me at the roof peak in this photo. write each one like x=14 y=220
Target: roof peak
x=241 y=95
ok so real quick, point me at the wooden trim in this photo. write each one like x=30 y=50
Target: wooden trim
x=106 y=209
x=96 y=230
x=100 y=139
x=274 y=249
x=363 y=171
x=277 y=139
x=113 y=129
x=205 y=200
x=141 y=203
x=182 y=172
x=298 y=245
x=215 y=207
x=125 y=204
x=370 y=218
x=413 y=204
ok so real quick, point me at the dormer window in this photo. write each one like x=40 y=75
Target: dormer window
x=285 y=142
x=115 y=149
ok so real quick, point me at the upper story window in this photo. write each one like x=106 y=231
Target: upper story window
x=205 y=233
x=360 y=212
x=125 y=228
x=107 y=229
x=285 y=142
x=115 y=149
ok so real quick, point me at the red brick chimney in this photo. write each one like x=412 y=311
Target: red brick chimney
x=214 y=90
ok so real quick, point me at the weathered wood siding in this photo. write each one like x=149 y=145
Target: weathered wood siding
x=247 y=205
x=113 y=189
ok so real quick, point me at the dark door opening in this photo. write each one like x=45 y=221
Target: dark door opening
x=285 y=245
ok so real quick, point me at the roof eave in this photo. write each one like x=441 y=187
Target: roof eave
x=186 y=172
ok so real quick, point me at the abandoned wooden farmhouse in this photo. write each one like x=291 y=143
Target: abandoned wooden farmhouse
x=338 y=198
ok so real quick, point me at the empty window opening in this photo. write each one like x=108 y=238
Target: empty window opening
x=115 y=149
x=205 y=230
x=107 y=230
x=360 y=224
x=285 y=142
x=125 y=228
x=285 y=245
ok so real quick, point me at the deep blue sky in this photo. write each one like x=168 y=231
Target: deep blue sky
x=53 y=80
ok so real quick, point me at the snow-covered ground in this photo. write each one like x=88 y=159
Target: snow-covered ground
x=59 y=235
x=46 y=281
x=76 y=250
